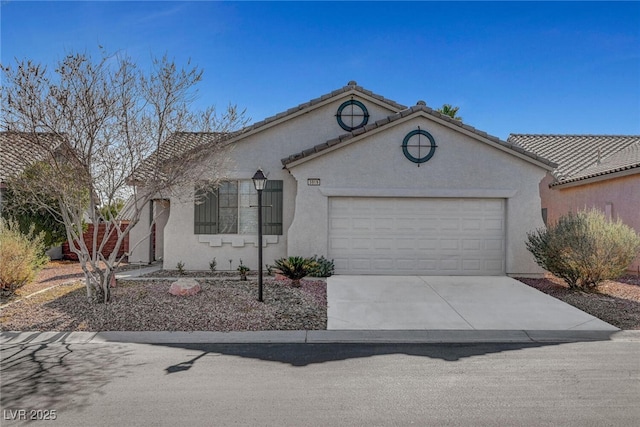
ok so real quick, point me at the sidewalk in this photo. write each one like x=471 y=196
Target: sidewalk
x=318 y=337
x=128 y=274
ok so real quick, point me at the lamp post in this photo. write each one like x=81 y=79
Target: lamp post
x=259 y=181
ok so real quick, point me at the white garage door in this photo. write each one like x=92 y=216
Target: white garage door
x=417 y=236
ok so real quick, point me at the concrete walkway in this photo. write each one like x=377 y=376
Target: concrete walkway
x=137 y=272
x=449 y=303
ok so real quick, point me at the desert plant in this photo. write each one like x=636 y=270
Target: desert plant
x=180 y=268
x=243 y=270
x=584 y=248
x=269 y=269
x=212 y=265
x=324 y=267
x=295 y=268
x=22 y=255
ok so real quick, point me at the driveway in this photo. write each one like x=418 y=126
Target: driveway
x=448 y=302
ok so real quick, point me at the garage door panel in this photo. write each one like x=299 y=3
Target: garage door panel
x=416 y=236
x=493 y=245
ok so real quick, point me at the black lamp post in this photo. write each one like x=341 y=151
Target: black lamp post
x=259 y=181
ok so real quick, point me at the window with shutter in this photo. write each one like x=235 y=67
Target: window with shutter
x=232 y=209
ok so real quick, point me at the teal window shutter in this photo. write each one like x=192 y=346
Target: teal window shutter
x=206 y=212
x=272 y=208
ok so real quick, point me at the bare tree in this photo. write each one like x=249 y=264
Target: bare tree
x=102 y=124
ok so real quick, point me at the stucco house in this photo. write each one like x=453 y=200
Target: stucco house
x=379 y=187
x=594 y=171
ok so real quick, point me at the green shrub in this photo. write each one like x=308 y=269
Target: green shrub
x=324 y=267
x=295 y=267
x=584 y=248
x=21 y=255
x=212 y=265
x=180 y=268
x=243 y=270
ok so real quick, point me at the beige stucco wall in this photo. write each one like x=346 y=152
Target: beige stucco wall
x=263 y=149
x=461 y=167
x=619 y=196
x=139 y=238
x=371 y=165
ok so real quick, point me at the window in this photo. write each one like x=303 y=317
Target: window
x=544 y=216
x=232 y=209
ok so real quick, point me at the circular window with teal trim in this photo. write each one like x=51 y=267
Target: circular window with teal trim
x=419 y=146
x=352 y=115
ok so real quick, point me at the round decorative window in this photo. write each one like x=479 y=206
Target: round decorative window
x=418 y=146
x=352 y=115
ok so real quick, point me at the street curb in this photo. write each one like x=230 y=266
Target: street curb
x=319 y=337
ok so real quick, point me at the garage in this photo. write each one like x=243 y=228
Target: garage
x=426 y=236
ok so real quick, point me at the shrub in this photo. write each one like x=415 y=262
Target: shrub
x=243 y=270
x=212 y=265
x=295 y=267
x=584 y=248
x=22 y=255
x=324 y=267
x=180 y=268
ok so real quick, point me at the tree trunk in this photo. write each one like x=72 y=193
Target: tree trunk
x=99 y=285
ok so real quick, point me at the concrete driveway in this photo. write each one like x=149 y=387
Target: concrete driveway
x=448 y=302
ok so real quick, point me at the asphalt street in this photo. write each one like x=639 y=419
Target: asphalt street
x=130 y=384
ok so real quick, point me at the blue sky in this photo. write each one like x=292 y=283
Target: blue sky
x=512 y=67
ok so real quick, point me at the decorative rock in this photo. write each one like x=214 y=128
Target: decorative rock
x=185 y=287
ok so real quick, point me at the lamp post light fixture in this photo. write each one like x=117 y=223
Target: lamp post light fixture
x=259 y=181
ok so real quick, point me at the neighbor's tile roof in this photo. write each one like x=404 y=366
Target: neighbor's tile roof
x=20 y=149
x=581 y=156
x=177 y=144
x=628 y=158
x=181 y=142
x=421 y=107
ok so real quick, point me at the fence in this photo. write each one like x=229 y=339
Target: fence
x=108 y=247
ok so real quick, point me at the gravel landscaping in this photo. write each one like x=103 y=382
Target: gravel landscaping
x=222 y=305
x=229 y=304
x=616 y=302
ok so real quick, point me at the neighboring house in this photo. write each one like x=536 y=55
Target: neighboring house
x=594 y=171
x=376 y=186
x=18 y=150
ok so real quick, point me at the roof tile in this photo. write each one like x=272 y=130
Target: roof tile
x=581 y=156
x=20 y=149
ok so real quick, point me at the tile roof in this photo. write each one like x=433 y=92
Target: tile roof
x=352 y=86
x=176 y=145
x=20 y=149
x=582 y=156
x=181 y=142
x=625 y=159
x=420 y=107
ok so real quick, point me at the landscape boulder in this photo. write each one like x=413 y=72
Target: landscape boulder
x=185 y=287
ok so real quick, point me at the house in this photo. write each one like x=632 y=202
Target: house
x=379 y=187
x=18 y=151
x=594 y=171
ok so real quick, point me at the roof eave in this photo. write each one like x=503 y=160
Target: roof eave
x=314 y=104
x=407 y=115
x=604 y=176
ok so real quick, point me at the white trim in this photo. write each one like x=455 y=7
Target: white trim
x=236 y=240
